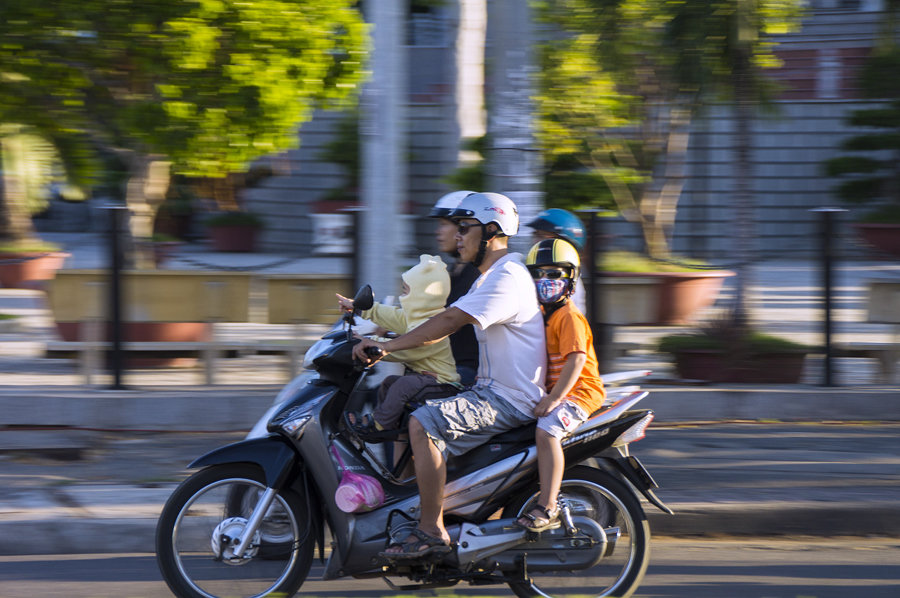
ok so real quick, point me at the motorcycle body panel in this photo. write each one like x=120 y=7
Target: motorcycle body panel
x=273 y=454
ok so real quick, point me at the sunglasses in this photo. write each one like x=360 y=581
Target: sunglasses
x=463 y=228
x=538 y=273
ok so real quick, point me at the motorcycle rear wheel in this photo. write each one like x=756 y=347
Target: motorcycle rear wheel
x=188 y=538
x=607 y=501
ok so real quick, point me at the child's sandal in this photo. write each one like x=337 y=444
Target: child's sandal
x=539 y=519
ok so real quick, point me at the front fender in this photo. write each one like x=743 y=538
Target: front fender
x=274 y=454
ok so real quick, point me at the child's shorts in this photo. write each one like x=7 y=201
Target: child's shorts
x=563 y=420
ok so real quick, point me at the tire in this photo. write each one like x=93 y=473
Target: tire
x=189 y=523
x=610 y=503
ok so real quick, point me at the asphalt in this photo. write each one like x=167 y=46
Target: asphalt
x=86 y=469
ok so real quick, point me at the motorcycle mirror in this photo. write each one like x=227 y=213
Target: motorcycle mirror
x=364 y=299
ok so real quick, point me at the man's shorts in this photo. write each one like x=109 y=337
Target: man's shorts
x=563 y=420
x=459 y=424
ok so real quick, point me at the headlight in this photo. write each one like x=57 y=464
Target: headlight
x=292 y=422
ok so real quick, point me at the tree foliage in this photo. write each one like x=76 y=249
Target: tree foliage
x=622 y=79
x=874 y=177
x=205 y=85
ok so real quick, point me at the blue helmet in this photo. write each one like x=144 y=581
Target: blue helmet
x=561 y=223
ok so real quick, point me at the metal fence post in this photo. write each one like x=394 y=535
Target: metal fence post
x=827 y=251
x=116 y=217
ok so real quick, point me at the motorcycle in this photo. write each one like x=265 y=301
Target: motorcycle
x=249 y=521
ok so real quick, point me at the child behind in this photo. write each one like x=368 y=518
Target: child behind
x=426 y=286
x=574 y=387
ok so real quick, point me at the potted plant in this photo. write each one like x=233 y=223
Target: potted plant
x=24 y=265
x=724 y=351
x=30 y=167
x=640 y=290
x=234 y=231
x=871 y=175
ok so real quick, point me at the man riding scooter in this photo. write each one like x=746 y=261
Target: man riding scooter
x=504 y=310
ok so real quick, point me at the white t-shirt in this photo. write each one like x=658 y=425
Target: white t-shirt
x=510 y=332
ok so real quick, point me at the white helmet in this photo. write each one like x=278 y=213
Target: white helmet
x=487 y=208
x=446 y=204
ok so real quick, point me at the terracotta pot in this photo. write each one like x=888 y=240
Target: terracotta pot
x=715 y=366
x=26 y=270
x=654 y=298
x=146 y=332
x=234 y=238
x=881 y=236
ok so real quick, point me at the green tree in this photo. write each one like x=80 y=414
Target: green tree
x=195 y=87
x=871 y=175
x=622 y=83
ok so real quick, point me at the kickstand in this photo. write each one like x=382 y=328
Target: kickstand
x=522 y=569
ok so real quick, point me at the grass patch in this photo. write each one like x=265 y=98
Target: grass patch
x=32 y=246
x=629 y=261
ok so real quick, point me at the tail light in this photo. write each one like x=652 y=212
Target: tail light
x=634 y=433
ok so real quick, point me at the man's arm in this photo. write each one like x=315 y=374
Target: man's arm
x=431 y=331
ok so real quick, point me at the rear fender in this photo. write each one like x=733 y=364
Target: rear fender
x=632 y=472
x=274 y=455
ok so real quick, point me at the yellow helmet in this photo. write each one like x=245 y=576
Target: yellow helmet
x=554 y=252
x=553 y=287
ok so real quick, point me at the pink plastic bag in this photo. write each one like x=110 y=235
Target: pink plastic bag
x=356 y=492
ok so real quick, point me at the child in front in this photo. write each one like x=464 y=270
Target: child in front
x=431 y=370
x=574 y=387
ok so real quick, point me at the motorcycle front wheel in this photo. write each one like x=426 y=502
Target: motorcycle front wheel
x=614 y=508
x=194 y=549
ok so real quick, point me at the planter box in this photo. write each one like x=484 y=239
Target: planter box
x=884 y=302
x=883 y=237
x=233 y=238
x=657 y=298
x=27 y=270
x=715 y=366
x=158 y=306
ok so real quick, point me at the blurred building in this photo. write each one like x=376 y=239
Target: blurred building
x=819 y=79
x=789 y=146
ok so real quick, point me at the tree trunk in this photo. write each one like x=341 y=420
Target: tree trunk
x=514 y=163
x=147 y=188
x=469 y=60
x=744 y=229
x=15 y=222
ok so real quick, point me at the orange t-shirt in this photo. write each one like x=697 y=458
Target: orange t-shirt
x=568 y=332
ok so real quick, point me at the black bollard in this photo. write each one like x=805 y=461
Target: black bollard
x=116 y=218
x=827 y=251
x=603 y=331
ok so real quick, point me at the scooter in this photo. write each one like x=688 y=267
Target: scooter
x=248 y=522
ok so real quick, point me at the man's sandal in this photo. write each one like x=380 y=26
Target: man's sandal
x=364 y=427
x=539 y=519
x=419 y=544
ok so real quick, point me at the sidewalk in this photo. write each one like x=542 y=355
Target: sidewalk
x=130 y=445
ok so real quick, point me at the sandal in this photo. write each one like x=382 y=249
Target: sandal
x=539 y=519
x=365 y=428
x=419 y=544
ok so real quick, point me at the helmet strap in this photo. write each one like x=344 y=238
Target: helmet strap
x=486 y=236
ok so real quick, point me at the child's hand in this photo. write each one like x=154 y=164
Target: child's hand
x=546 y=405
x=346 y=304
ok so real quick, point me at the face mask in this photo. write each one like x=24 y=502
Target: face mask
x=551 y=291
